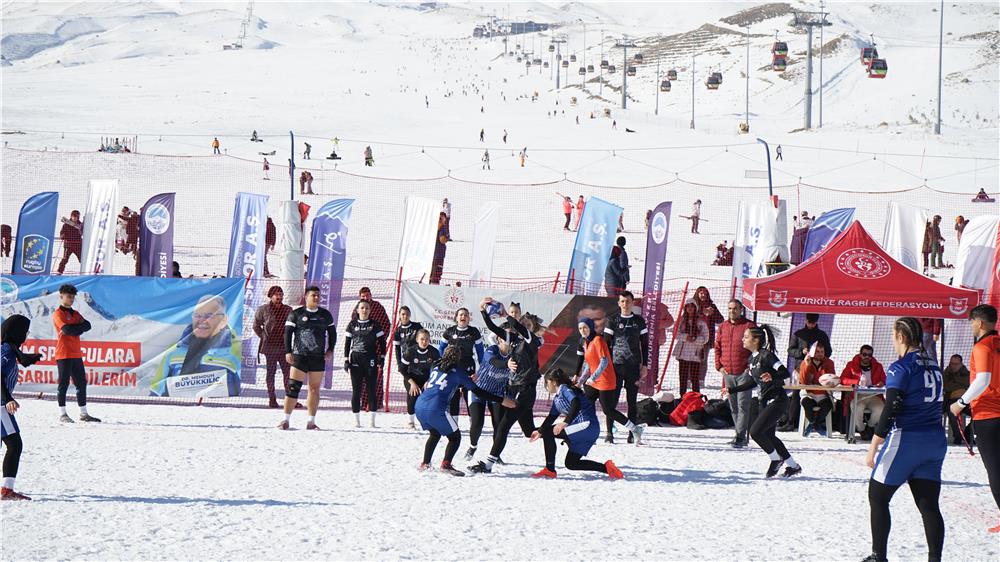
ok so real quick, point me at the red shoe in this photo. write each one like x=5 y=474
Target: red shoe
x=447 y=468
x=424 y=467
x=544 y=473
x=283 y=425
x=6 y=494
x=613 y=472
x=311 y=425
x=994 y=529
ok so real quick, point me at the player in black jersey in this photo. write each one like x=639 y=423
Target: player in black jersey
x=767 y=372
x=310 y=337
x=470 y=340
x=627 y=339
x=405 y=336
x=364 y=355
x=415 y=369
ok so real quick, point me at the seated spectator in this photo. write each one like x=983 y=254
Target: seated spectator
x=692 y=335
x=864 y=371
x=814 y=366
x=983 y=197
x=956 y=382
x=720 y=253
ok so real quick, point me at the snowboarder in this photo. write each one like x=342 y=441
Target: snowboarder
x=482 y=135
x=486 y=160
x=267 y=167
x=369 y=158
x=427 y=102
x=308 y=152
x=777 y=154
x=505 y=136
x=254 y=137
x=215 y=146
x=614 y=125
x=695 y=216
x=523 y=156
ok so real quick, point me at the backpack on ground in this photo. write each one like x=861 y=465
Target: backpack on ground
x=646 y=411
x=690 y=402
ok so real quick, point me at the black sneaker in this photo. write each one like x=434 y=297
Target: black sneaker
x=609 y=439
x=740 y=444
x=480 y=468
x=470 y=453
x=772 y=470
x=786 y=428
x=89 y=418
x=631 y=439
x=789 y=471
x=873 y=558
x=66 y=419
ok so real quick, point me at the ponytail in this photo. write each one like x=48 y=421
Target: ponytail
x=912 y=332
x=765 y=335
x=559 y=377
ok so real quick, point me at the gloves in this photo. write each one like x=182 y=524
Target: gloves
x=29 y=359
x=347 y=365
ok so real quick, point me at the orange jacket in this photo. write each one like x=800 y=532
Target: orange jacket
x=986 y=359
x=593 y=352
x=810 y=374
x=68 y=345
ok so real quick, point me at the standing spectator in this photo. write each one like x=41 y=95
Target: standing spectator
x=777 y=154
x=616 y=275
x=486 y=160
x=732 y=362
x=381 y=319
x=270 y=239
x=708 y=312
x=567 y=206
x=269 y=325
x=798 y=349
x=482 y=135
x=305 y=183
x=369 y=156
x=306 y=155
x=628 y=340
x=523 y=155
x=960 y=224
x=177 y=270
x=937 y=245
x=120 y=230
x=132 y=234
x=692 y=335
x=267 y=168
x=956 y=382
x=446 y=209
x=814 y=366
x=72 y=237
x=864 y=371
x=440 y=249
x=695 y=216
x=580 y=204
x=215 y=146
x=649 y=215
x=6 y=236
x=932 y=328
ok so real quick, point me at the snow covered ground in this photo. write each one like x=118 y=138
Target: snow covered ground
x=212 y=483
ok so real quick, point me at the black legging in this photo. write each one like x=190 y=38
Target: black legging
x=763 y=427
x=608 y=400
x=477 y=419
x=573 y=460
x=988 y=439
x=12 y=458
x=818 y=417
x=628 y=378
x=364 y=374
x=925 y=495
x=523 y=414
x=411 y=401
x=72 y=369
x=454 y=440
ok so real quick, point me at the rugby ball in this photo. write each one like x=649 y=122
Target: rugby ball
x=829 y=380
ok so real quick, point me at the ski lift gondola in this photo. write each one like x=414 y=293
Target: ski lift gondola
x=582 y=71
x=565 y=64
x=537 y=62
x=605 y=64
x=878 y=68
x=779 y=63
x=713 y=82
x=519 y=59
x=590 y=68
x=717 y=76
x=868 y=54
x=552 y=48
x=545 y=64
x=527 y=63
x=779 y=48
x=671 y=74
x=665 y=86
x=638 y=58
x=572 y=58
x=630 y=71
x=611 y=69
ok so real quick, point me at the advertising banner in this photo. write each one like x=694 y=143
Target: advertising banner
x=484 y=242
x=420 y=226
x=826 y=228
x=247 y=240
x=36 y=227
x=99 y=223
x=594 y=240
x=156 y=237
x=652 y=288
x=761 y=237
x=168 y=337
x=903 y=237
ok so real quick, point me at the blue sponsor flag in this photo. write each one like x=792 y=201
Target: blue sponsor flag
x=156 y=237
x=594 y=239
x=246 y=260
x=327 y=257
x=827 y=227
x=652 y=286
x=36 y=227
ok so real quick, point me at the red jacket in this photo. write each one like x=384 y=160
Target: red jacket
x=851 y=375
x=729 y=351
x=809 y=373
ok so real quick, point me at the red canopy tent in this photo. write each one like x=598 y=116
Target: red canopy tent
x=854 y=275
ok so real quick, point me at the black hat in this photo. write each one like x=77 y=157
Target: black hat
x=15 y=330
x=620 y=241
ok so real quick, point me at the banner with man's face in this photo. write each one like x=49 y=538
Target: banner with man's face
x=149 y=336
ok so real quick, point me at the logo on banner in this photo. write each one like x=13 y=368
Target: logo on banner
x=36 y=248
x=455 y=297
x=909 y=260
x=334 y=240
x=958 y=306
x=157 y=218
x=8 y=291
x=862 y=263
x=777 y=299
x=659 y=228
